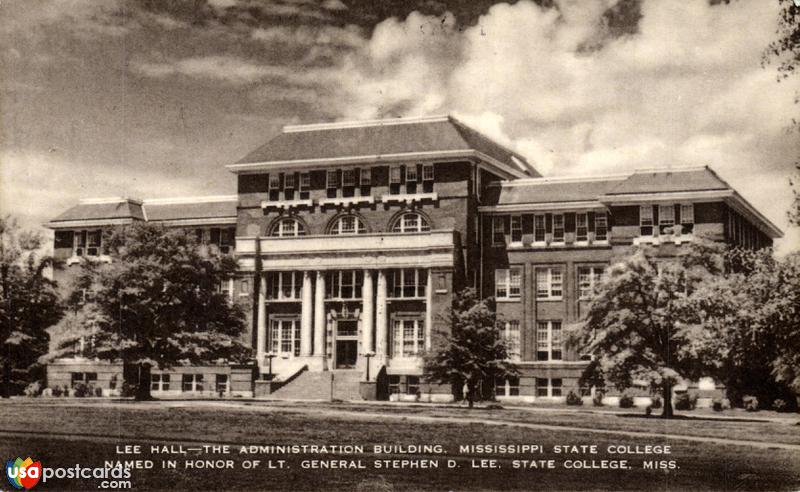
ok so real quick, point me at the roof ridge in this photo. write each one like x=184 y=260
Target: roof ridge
x=363 y=123
x=108 y=199
x=189 y=199
x=564 y=179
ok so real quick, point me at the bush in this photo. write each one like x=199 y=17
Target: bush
x=750 y=403
x=626 y=401
x=780 y=405
x=98 y=391
x=656 y=402
x=649 y=410
x=34 y=389
x=717 y=405
x=128 y=390
x=597 y=399
x=685 y=401
x=82 y=390
x=573 y=399
x=56 y=391
x=66 y=391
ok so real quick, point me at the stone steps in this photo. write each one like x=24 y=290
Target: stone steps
x=317 y=386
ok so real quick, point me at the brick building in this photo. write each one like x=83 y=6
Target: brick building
x=366 y=229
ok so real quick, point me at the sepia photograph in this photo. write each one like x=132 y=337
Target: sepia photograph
x=400 y=245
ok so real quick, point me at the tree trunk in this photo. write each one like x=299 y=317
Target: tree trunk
x=143 y=386
x=5 y=391
x=471 y=394
x=666 y=413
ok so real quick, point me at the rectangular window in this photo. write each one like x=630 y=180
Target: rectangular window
x=83 y=378
x=646 y=220
x=666 y=218
x=394 y=385
x=159 y=382
x=548 y=340
x=539 y=228
x=285 y=336
x=507 y=387
x=549 y=283
x=409 y=337
x=581 y=226
x=191 y=382
x=413 y=384
x=395 y=175
x=332 y=178
x=349 y=177
x=284 y=286
x=289 y=181
x=222 y=383
x=547 y=387
x=588 y=279
x=600 y=226
x=427 y=172
x=408 y=283
x=508 y=283
x=366 y=177
x=555 y=387
x=687 y=218
x=93 y=239
x=411 y=174
x=499 y=229
x=516 y=228
x=305 y=181
x=512 y=339
x=274 y=182
x=558 y=228
x=244 y=287
x=226 y=288
x=344 y=284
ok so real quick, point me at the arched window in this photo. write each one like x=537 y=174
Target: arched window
x=288 y=228
x=348 y=224
x=411 y=222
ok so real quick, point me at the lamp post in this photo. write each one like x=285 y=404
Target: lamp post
x=368 y=356
x=270 y=356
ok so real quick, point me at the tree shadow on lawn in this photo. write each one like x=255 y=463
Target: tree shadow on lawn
x=691 y=417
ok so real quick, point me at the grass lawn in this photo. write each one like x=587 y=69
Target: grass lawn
x=701 y=466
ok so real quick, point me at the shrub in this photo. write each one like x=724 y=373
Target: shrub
x=717 y=405
x=573 y=399
x=750 y=403
x=66 y=391
x=34 y=389
x=56 y=391
x=128 y=390
x=626 y=401
x=685 y=401
x=649 y=410
x=597 y=399
x=780 y=405
x=98 y=391
x=81 y=390
x=656 y=402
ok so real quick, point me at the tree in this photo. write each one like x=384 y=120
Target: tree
x=640 y=325
x=29 y=304
x=158 y=304
x=474 y=351
x=752 y=316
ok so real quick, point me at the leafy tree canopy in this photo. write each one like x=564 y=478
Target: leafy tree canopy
x=474 y=351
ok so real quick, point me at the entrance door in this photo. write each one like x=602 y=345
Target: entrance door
x=346 y=354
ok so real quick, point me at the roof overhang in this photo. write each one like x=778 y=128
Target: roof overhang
x=575 y=206
x=77 y=224
x=441 y=155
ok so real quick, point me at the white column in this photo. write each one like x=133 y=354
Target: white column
x=305 y=316
x=428 y=310
x=319 y=315
x=381 y=318
x=261 y=331
x=368 y=313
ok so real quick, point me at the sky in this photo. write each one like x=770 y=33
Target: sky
x=152 y=99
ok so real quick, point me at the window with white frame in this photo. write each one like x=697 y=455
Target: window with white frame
x=289 y=181
x=344 y=284
x=191 y=382
x=305 y=181
x=222 y=383
x=274 y=182
x=285 y=336
x=365 y=177
x=646 y=220
x=411 y=222
x=558 y=228
x=581 y=226
x=411 y=173
x=549 y=283
x=395 y=175
x=600 y=226
x=349 y=177
x=408 y=283
x=348 y=225
x=548 y=340
x=588 y=279
x=666 y=218
x=408 y=336
x=539 y=228
x=511 y=336
x=516 y=228
x=159 y=382
x=283 y=286
x=499 y=229
x=507 y=387
x=687 y=218
x=288 y=228
x=548 y=387
x=87 y=378
x=427 y=172
x=508 y=282
x=332 y=178
x=87 y=243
